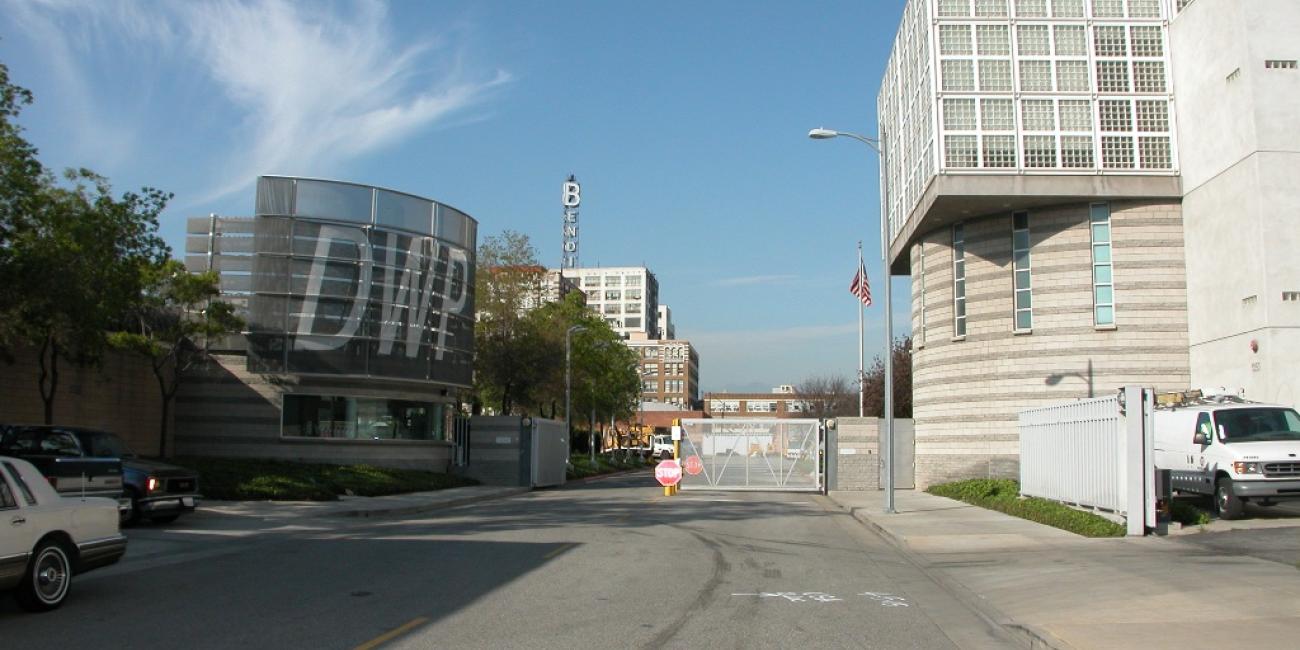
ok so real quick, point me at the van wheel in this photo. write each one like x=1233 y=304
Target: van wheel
x=48 y=576
x=1228 y=504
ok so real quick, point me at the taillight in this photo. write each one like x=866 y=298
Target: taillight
x=151 y=484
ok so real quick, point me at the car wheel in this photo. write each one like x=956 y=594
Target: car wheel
x=1228 y=504
x=49 y=574
x=163 y=519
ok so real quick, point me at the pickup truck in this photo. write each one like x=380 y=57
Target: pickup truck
x=1234 y=450
x=149 y=488
x=57 y=454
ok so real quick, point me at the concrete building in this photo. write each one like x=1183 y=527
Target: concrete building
x=667 y=331
x=1086 y=195
x=359 y=305
x=670 y=372
x=627 y=297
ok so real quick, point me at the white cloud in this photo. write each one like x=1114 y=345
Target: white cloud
x=312 y=87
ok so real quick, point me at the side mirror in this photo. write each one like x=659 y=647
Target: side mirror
x=1200 y=438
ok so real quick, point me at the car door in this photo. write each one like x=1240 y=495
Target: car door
x=19 y=529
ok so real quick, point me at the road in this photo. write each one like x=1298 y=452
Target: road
x=607 y=564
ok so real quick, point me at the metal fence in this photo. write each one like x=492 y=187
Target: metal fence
x=754 y=454
x=1094 y=453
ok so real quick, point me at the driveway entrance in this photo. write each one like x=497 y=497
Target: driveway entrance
x=752 y=454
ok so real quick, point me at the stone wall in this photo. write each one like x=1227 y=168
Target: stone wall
x=119 y=395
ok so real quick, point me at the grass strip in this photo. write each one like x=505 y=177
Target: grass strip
x=248 y=479
x=581 y=466
x=1003 y=495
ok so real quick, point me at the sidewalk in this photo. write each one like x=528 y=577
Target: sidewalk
x=1056 y=589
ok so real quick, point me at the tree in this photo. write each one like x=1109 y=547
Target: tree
x=178 y=310
x=826 y=396
x=874 y=400
x=510 y=358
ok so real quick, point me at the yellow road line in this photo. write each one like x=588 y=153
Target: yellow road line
x=389 y=636
x=559 y=550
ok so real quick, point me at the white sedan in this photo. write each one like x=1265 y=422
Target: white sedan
x=45 y=539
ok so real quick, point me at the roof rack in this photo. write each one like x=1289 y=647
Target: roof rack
x=1175 y=399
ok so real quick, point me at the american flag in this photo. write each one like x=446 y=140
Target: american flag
x=861 y=286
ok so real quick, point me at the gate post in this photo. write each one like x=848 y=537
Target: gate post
x=830 y=457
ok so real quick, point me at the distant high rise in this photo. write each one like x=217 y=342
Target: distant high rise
x=627 y=297
x=666 y=328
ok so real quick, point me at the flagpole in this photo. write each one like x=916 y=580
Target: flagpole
x=862 y=384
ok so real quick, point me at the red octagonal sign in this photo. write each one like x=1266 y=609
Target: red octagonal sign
x=668 y=472
x=694 y=465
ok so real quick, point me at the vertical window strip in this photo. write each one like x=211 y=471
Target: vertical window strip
x=1103 y=280
x=1023 y=316
x=958 y=280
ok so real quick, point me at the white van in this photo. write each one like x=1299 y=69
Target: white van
x=1236 y=450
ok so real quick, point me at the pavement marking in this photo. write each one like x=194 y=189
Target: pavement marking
x=561 y=549
x=392 y=634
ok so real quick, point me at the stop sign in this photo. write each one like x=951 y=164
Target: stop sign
x=694 y=465
x=668 y=472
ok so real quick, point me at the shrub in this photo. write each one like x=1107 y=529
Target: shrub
x=1003 y=495
x=241 y=479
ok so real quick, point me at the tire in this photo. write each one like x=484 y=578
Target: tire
x=163 y=519
x=1226 y=503
x=47 y=580
x=665 y=455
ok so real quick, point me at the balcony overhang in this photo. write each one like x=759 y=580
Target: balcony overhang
x=950 y=198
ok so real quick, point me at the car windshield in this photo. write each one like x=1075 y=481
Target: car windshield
x=1258 y=425
x=105 y=445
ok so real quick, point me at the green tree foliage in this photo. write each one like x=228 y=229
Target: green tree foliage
x=70 y=253
x=177 y=311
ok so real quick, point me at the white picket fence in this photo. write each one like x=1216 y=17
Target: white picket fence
x=1091 y=453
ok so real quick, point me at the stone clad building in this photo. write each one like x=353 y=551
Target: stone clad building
x=1079 y=209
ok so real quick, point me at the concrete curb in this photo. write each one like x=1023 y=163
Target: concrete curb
x=426 y=507
x=1027 y=635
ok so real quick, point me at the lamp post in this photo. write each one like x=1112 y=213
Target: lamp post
x=875 y=144
x=568 y=374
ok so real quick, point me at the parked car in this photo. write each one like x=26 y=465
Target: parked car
x=153 y=490
x=46 y=539
x=1235 y=450
x=57 y=454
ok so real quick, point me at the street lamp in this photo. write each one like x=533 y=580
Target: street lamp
x=875 y=144
x=568 y=336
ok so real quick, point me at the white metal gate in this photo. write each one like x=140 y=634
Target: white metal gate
x=752 y=454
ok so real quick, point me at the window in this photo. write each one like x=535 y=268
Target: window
x=1024 y=319
x=995 y=75
x=760 y=407
x=613 y=308
x=7 y=500
x=631 y=322
x=1032 y=40
x=1112 y=77
x=1076 y=151
x=724 y=406
x=1067 y=8
x=1117 y=152
x=1290 y=296
x=1103 y=283
x=1071 y=40
x=1116 y=115
x=1076 y=114
x=999 y=151
x=997 y=115
x=1152 y=115
x=1107 y=8
x=21 y=483
x=959 y=114
x=993 y=40
x=1146 y=40
x=958 y=75
x=632 y=294
x=1040 y=151
x=1276 y=64
x=59 y=443
x=958 y=280
x=1109 y=40
x=960 y=151
x=794 y=406
x=632 y=308
x=633 y=281
x=954 y=7
x=613 y=294
x=1035 y=76
x=1037 y=115
x=1154 y=152
x=360 y=418
x=591 y=281
x=954 y=39
x=990 y=7
x=651 y=386
x=1072 y=76
x=1144 y=8
x=1149 y=76
x=1031 y=8
x=613 y=280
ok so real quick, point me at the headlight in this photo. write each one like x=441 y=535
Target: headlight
x=1241 y=467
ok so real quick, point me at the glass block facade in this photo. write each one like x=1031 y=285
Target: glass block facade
x=1025 y=86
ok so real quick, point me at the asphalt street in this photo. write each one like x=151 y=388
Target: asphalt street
x=607 y=564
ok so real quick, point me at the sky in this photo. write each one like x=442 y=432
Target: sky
x=685 y=122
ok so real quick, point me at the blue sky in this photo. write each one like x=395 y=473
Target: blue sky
x=685 y=122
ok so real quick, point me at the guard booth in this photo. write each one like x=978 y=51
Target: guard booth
x=752 y=454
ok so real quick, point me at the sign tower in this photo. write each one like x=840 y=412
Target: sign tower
x=570 y=199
